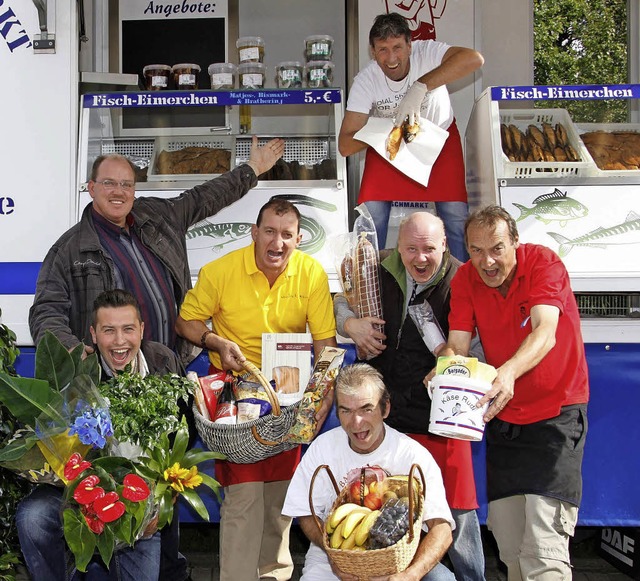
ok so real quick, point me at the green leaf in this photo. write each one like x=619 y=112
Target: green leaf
x=211 y=483
x=53 y=362
x=180 y=444
x=79 y=537
x=106 y=544
x=195 y=501
x=89 y=366
x=165 y=509
x=18 y=448
x=196 y=456
x=76 y=356
x=123 y=528
x=27 y=398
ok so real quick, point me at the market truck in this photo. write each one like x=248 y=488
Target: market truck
x=67 y=67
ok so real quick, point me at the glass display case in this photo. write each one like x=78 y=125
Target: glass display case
x=179 y=139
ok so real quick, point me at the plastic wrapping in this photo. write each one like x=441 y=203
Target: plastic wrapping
x=428 y=326
x=322 y=380
x=357 y=260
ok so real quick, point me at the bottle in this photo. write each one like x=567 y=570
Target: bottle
x=227 y=409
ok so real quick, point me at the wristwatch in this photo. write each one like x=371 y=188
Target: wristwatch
x=203 y=339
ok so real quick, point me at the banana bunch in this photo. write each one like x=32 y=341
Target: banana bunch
x=348 y=526
x=544 y=143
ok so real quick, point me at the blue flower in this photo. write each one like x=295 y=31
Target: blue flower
x=93 y=426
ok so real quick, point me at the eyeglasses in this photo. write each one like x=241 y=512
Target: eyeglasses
x=111 y=185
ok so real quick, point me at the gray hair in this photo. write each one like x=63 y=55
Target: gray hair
x=352 y=377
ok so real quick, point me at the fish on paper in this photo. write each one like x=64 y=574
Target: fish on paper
x=556 y=206
x=627 y=232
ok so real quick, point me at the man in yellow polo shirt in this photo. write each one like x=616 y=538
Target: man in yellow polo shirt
x=266 y=287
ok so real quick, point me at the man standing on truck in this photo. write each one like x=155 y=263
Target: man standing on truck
x=137 y=244
x=407 y=80
x=520 y=299
x=266 y=287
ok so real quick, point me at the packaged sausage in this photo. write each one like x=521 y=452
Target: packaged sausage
x=322 y=381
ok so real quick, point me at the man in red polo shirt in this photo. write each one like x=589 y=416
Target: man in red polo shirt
x=520 y=299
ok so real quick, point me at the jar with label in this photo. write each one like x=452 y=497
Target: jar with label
x=318 y=47
x=319 y=74
x=223 y=76
x=289 y=74
x=185 y=76
x=156 y=77
x=250 y=49
x=251 y=75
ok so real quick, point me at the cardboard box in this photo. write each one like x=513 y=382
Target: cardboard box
x=621 y=547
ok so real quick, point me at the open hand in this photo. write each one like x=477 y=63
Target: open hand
x=262 y=158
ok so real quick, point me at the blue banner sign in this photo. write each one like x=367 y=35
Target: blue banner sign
x=573 y=92
x=18 y=278
x=206 y=98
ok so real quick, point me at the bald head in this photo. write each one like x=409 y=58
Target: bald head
x=421 y=244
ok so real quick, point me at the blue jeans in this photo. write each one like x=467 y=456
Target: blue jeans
x=466 y=553
x=440 y=573
x=47 y=557
x=453 y=214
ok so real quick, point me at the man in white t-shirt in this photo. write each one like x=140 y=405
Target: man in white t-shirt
x=407 y=80
x=363 y=439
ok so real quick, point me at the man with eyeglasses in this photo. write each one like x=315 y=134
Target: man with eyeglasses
x=137 y=244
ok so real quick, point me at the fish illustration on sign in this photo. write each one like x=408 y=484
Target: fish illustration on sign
x=627 y=232
x=556 y=206
x=226 y=232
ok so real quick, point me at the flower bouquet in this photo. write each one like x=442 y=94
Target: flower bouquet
x=70 y=432
x=106 y=505
x=60 y=412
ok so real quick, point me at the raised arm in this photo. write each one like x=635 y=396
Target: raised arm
x=351 y=123
x=457 y=63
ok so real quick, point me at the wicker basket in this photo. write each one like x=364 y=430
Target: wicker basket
x=377 y=562
x=252 y=441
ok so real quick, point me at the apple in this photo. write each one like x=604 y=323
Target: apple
x=374 y=499
x=357 y=493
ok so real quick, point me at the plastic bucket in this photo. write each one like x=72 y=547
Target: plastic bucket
x=453 y=407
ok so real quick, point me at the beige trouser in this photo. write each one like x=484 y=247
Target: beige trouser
x=254 y=536
x=533 y=534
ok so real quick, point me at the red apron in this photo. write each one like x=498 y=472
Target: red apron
x=381 y=182
x=278 y=467
x=454 y=459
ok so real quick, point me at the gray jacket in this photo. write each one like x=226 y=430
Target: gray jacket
x=76 y=269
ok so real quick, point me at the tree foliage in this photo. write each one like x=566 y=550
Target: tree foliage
x=580 y=42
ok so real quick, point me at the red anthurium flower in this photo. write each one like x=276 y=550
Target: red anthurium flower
x=94 y=523
x=109 y=507
x=75 y=466
x=87 y=492
x=135 y=488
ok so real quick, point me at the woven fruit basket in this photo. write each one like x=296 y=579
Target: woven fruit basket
x=252 y=441
x=375 y=562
